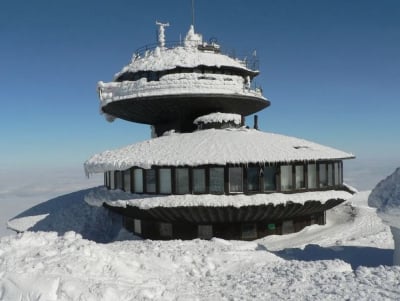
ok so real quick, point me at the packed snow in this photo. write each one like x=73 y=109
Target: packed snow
x=219 y=117
x=188 y=56
x=386 y=198
x=119 y=198
x=212 y=146
x=347 y=259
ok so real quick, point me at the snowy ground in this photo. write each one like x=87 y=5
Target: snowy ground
x=347 y=259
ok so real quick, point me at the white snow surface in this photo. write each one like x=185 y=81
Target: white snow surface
x=119 y=198
x=386 y=198
x=180 y=56
x=347 y=259
x=219 y=117
x=212 y=146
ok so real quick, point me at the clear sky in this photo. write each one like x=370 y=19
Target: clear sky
x=331 y=70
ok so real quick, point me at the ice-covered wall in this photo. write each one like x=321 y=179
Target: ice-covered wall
x=386 y=198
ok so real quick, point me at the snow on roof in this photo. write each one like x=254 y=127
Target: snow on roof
x=219 y=118
x=185 y=57
x=386 y=198
x=118 y=198
x=212 y=146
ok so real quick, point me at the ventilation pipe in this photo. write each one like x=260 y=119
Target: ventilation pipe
x=256 y=122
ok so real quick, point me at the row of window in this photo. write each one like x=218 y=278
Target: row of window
x=229 y=179
x=246 y=231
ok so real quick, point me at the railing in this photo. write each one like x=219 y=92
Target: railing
x=249 y=61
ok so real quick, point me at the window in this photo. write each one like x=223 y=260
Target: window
x=137 y=226
x=112 y=180
x=269 y=178
x=182 y=180
x=249 y=231
x=205 y=231
x=286 y=178
x=216 y=180
x=340 y=173
x=330 y=174
x=235 y=179
x=150 y=181
x=336 y=173
x=253 y=179
x=323 y=179
x=107 y=179
x=138 y=174
x=312 y=176
x=127 y=180
x=165 y=180
x=300 y=184
x=118 y=175
x=199 y=180
x=287 y=227
x=165 y=229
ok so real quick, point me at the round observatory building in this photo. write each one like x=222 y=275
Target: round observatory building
x=203 y=173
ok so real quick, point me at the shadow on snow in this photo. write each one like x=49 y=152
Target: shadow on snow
x=70 y=212
x=354 y=255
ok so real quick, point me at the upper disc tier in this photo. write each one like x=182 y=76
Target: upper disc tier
x=170 y=87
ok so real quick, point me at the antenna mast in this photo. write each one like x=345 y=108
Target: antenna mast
x=193 y=13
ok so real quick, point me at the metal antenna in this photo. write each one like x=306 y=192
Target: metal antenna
x=193 y=13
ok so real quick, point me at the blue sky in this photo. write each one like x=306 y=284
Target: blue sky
x=331 y=70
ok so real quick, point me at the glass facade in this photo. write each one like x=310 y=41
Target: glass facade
x=286 y=177
x=312 y=176
x=217 y=180
x=299 y=173
x=253 y=179
x=112 y=180
x=150 y=181
x=199 y=180
x=127 y=180
x=230 y=179
x=269 y=178
x=138 y=175
x=235 y=179
x=165 y=180
x=330 y=174
x=182 y=180
x=323 y=179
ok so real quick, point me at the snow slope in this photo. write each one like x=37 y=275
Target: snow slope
x=347 y=259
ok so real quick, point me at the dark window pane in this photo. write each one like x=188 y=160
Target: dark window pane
x=182 y=180
x=199 y=180
x=150 y=181
x=235 y=179
x=269 y=178
x=253 y=180
x=216 y=180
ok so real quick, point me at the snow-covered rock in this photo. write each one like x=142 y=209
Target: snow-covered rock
x=386 y=198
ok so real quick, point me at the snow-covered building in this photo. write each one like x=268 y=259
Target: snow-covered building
x=204 y=173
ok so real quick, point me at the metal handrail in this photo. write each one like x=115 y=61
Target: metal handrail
x=250 y=62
